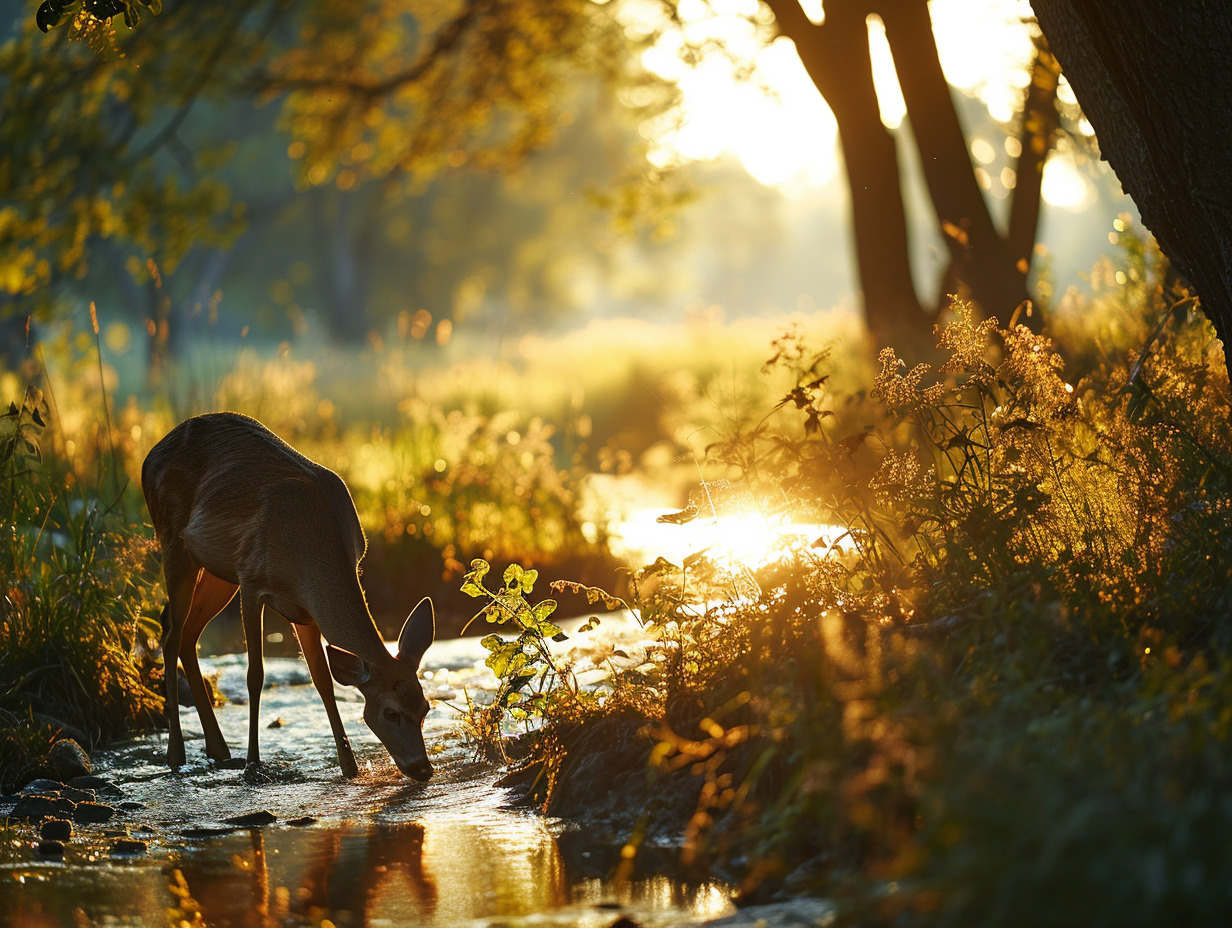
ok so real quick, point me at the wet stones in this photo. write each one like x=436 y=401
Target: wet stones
x=252 y=819
x=127 y=847
x=92 y=813
x=36 y=808
x=56 y=829
x=53 y=850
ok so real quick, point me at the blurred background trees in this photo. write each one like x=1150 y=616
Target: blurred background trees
x=348 y=171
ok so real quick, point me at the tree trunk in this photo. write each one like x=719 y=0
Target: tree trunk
x=1036 y=136
x=979 y=255
x=343 y=233
x=1154 y=80
x=836 y=57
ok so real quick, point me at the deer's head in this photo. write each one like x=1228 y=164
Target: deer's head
x=394 y=703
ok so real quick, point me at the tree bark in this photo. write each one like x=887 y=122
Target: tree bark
x=343 y=233
x=1154 y=80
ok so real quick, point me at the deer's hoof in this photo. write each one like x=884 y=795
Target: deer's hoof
x=258 y=774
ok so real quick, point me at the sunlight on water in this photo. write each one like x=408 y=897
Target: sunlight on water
x=750 y=539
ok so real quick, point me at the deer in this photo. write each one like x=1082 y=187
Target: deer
x=238 y=510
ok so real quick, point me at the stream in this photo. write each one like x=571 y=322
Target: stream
x=310 y=848
x=377 y=850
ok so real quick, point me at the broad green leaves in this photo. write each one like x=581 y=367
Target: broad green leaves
x=530 y=679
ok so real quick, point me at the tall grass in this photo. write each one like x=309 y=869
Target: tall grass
x=78 y=601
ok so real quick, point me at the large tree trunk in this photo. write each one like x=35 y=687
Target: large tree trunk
x=1155 y=81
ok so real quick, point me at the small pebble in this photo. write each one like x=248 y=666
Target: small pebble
x=50 y=849
x=56 y=829
x=277 y=723
x=131 y=805
x=128 y=847
x=301 y=822
x=252 y=819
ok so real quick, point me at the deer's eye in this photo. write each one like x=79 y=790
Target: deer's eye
x=391 y=715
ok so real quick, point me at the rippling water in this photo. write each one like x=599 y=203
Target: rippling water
x=380 y=850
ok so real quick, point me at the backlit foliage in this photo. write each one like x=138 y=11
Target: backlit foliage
x=1003 y=692
x=116 y=147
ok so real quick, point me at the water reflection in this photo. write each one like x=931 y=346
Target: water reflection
x=435 y=873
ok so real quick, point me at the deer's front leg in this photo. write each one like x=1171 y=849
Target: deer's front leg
x=250 y=611
x=314 y=655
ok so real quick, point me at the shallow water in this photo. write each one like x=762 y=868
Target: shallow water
x=378 y=850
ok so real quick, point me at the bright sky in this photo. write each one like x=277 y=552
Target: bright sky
x=787 y=139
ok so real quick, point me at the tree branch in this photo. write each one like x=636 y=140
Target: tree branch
x=446 y=40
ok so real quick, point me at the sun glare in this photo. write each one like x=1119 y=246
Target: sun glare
x=748 y=539
x=774 y=121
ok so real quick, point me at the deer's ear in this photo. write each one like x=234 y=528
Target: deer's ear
x=417 y=633
x=347 y=668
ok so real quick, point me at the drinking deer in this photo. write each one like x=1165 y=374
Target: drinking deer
x=236 y=508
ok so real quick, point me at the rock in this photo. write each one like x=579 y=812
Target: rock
x=68 y=759
x=252 y=819
x=50 y=849
x=131 y=805
x=91 y=813
x=301 y=822
x=56 y=829
x=78 y=795
x=90 y=781
x=42 y=787
x=37 y=808
x=128 y=847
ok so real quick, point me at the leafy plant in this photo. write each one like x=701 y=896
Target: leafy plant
x=532 y=681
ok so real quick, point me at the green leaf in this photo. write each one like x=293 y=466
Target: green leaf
x=513 y=576
x=528 y=580
x=542 y=610
x=492 y=642
x=560 y=636
x=471 y=588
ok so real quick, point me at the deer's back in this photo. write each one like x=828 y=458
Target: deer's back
x=235 y=493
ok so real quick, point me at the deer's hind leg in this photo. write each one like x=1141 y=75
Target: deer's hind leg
x=210 y=596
